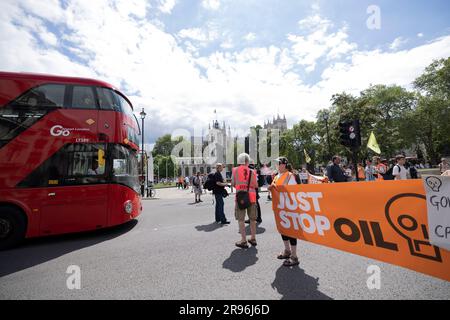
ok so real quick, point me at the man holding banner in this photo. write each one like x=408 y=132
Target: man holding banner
x=283 y=178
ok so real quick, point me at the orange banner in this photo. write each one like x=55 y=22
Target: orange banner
x=386 y=221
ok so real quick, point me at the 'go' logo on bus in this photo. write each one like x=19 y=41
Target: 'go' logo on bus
x=58 y=130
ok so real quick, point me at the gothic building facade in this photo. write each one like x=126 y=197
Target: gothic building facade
x=277 y=123
x=206 y=151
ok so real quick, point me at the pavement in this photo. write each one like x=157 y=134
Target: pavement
x=174 y=250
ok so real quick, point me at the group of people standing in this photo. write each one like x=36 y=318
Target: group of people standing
x=182 y=182
x=375 y=169
x=245 y=180
x=196 y=182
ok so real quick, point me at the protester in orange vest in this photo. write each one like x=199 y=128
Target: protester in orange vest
x=245 y=180
x=361 y=172
x=284 y=177
x=380 y=168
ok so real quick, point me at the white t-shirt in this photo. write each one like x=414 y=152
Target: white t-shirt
x=399 y=172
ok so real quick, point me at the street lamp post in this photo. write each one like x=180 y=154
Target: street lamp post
x=143 y=114
x=146 y=174
x=326 y=117
x=167 y=172
x=157 y=167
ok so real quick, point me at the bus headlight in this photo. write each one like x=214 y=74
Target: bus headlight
x=128 y=207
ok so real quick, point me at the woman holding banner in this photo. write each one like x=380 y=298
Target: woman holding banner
x=284 y=177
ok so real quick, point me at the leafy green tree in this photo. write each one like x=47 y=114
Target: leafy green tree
x=383 y=110
x=163 y=146
x=431 y=119
x=165 y=166
x=301 y=137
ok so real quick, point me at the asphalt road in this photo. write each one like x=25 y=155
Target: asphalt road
x=175 y=251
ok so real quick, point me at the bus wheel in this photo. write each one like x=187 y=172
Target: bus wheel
x=12 y=227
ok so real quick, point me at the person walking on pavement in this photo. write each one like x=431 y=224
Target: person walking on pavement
x=284 y=177
x=197 y=186
x=245 y=182
x=186 y=182
x=219 y=191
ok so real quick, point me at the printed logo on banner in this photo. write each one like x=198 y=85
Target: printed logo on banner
x=407 y=227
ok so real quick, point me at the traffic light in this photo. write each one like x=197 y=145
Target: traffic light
x=350 y=134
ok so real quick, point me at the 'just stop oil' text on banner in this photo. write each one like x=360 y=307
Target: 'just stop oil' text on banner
x=384 y=220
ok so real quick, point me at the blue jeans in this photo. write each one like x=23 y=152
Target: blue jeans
x=220 y=214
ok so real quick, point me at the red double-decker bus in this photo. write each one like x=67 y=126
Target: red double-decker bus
x=68 y=156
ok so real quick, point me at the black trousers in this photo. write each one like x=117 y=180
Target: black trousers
x=258 y=207
x=292 y=241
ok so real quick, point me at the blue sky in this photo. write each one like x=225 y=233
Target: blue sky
x=248 y=59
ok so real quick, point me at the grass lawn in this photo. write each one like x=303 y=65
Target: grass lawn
x=162 y=185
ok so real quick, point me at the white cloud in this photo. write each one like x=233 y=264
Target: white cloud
x=374 y=67
x=315 y=6
x=180 y=88
x=167 y=6
x=250 y=36
x=420 y=35
x=397 y=43
x=211 y=4
x=198 y=34
x=317 y=42
x=227 y=44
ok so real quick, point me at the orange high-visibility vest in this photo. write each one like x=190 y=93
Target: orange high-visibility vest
x=283 y=179
x=381 y=168
x=361 y=173
x=241 y=178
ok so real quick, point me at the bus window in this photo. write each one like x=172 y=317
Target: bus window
x=75 y=164
x=86 y=160
x=133 y=135
x=24 y=111
x=125 y=167
x=48 y=95
x=125 y=107
x=106 y=99
x=83 y=98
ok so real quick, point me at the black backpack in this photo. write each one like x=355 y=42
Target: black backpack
x=210 y=182
x=388 y=175
x=243 y=197
x=413 y=172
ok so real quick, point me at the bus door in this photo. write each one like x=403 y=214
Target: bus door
x=77 y=195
